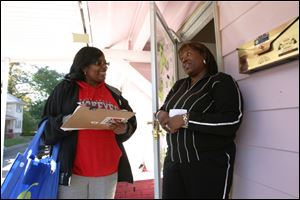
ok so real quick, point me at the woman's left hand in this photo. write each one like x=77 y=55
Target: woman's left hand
x=118 y=127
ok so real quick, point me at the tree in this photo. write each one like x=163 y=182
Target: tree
x=44 y=81
x=33 y=88
x=18 y=81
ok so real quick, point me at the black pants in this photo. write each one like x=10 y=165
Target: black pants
x=211 y=177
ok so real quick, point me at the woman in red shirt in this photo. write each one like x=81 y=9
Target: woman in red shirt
x=95 y=159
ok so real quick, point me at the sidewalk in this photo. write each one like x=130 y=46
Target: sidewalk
x=15 y=148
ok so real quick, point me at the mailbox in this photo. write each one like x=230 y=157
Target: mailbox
x=270 y=49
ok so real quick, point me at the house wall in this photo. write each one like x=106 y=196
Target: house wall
x=267 y=160
x=10 y=109
x=16 y=124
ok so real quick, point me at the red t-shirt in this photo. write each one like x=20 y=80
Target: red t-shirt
x=97 y=152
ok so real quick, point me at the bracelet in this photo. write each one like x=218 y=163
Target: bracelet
x=185 y=118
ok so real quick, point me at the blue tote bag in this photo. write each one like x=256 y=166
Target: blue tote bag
x=30 y=177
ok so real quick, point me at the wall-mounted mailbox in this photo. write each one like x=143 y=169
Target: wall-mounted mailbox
x=272 y=48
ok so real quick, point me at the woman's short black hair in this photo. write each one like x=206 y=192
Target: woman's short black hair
x=211 y=63
x=83 y=58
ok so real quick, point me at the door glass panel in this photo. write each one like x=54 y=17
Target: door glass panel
x=166 y=71
x=164 y=75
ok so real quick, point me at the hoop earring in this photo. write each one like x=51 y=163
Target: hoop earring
x=204 y=62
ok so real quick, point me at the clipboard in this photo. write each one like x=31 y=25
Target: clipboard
x=99 y=119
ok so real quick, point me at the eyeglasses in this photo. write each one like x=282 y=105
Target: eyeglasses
x=106 y=64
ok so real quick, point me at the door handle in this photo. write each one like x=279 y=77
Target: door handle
x=156 y=132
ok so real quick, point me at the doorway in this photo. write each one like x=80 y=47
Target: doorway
x=207 y=37
x=166 y=68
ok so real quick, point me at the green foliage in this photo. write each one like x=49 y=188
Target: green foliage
x=36 y=109
x=33 y=89
x=18 y=78
x=44 y=80
x=29 y=123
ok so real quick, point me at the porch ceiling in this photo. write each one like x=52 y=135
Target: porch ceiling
x=40 y=31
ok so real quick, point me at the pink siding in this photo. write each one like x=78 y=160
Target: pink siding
x=236 y=8
x=248 y=189
x=273 y=168
x=271 y=129
x=267 y=162
x=261 y=18
x=274 y=88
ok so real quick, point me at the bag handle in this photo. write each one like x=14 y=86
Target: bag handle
x=34 y=144
x=55 y=151
x=33 y=147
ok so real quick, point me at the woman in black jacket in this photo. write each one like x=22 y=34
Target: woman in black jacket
x=95 y=159
x=201 y=114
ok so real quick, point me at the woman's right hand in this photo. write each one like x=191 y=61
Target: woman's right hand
x=163 y=119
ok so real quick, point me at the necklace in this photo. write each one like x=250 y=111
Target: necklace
x=193 y=83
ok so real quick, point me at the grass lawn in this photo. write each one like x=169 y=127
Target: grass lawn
x=17 y=140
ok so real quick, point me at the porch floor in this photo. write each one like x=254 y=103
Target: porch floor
x=142 y=189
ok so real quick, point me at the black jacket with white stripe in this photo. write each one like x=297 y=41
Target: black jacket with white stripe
x=215 y=107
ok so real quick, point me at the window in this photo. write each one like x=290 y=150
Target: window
x=18 y=124
x=18 y=108
x=9 y=109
